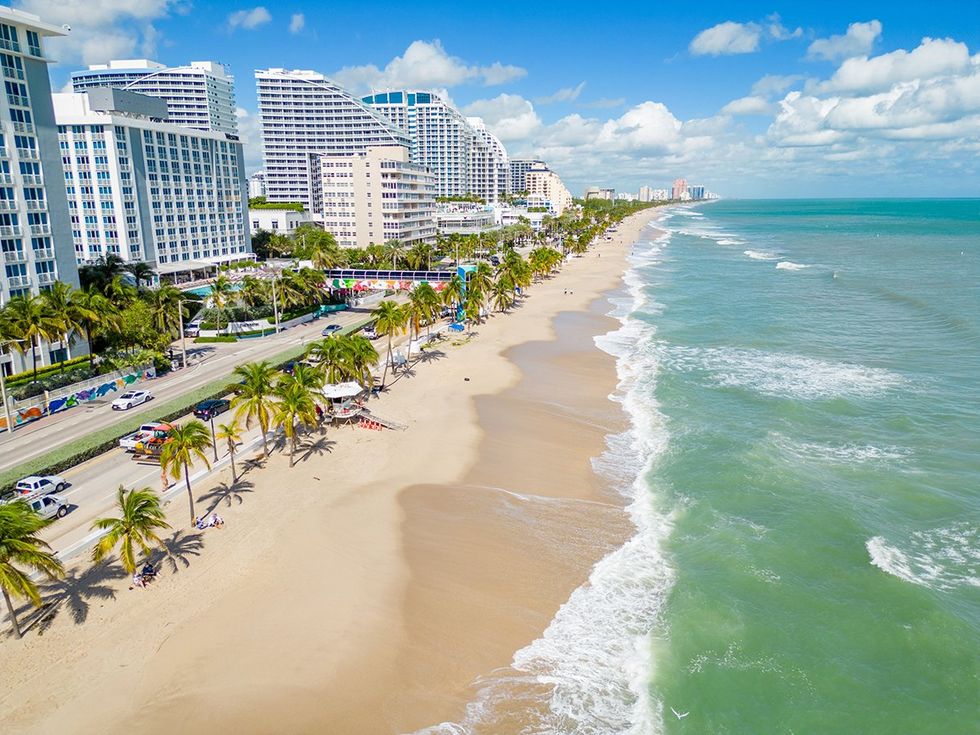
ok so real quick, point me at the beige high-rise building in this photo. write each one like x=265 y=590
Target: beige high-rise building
x=546 y=183
x=377 y=195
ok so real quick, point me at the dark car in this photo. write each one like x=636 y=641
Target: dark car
x=206 y=410
x=330 y=329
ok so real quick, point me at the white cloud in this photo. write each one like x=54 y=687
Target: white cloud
x=102 y=29
x=727 y=38
x=250 y=132
x=424 y=65
x=932 y=58
x=749 y=106
x=509 y=116
x=249 y=19
x=774 y=84
x=857 y=41
x=566 y=94
x=779 y=32
x=603 y=103
x=297 y=23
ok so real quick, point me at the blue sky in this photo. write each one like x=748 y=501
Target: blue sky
x=751 y=99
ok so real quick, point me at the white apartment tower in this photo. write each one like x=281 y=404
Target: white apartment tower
x=149 y=190
x=377 y=195
x=305 y=115
x=489 y=168
x=199 y=95
x=518 y=172
x=35 y=239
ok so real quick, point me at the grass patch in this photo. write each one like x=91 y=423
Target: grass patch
x=97 y=442
x=212 y=340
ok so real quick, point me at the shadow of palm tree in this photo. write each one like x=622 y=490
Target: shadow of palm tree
x=227 y=491
x=429 y=356
x=318 y=446
x=76 y=589
x=178 y=550
x=253 y=463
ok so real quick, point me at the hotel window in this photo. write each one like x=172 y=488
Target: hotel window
x=33 y=43
x=8 y=37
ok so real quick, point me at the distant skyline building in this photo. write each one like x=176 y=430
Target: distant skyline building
x=304 y=115
x=696 y=191
x=545 y=183
x=645 y=194
x=148 y=190
x=464 y=156
x=199 y=95
x=518 y=172
x=35 y=236
x=256 y=185
x=377 y=195
x=679 y=189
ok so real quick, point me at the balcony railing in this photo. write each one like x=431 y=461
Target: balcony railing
x=23 y=127
x=33 y=179
x=43 y=253
x=14 y=256
x=45 y=278
x=17 y=99
x=28 y=154
x=40 y=229
x=37 y=205
x=8 y=205
x=9 y=45
x=19 y=281
x=12 y=73
x=10 y=230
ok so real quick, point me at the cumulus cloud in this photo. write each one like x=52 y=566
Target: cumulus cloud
x=748 y=106
x=566 y=94
x=509 y=116
x=297 y=22
x=425 y=65
x=857 y=41
x=727 y=38
x=249 y=19
x=774 y=84
x=250 y=132
x=740 y=38
x=102 y=29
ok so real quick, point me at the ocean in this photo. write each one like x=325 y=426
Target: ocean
x=803 y=471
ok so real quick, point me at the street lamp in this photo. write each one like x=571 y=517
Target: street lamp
x=214 y=439
x=275 y=301
x=3 y=389
x=183 y=344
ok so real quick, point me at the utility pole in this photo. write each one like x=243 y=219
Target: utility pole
x=275 y=302
x=6 y=401
x=183 y=344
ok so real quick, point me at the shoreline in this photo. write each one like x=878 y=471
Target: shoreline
x=316 y=608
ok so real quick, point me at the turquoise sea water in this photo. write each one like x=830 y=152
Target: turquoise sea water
x=803 y=469
x=818 y=379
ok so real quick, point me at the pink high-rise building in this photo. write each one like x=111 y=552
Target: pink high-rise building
x=680 y=187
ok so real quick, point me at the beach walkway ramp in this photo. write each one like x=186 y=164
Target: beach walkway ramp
x=381 y=421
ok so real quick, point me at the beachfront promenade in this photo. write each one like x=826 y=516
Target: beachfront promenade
x=320 y=544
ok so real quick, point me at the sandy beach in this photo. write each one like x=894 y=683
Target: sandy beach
x=367 y=589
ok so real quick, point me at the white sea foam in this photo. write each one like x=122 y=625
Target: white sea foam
x=778 y=374
x=730 y=241
x=589 y=672
x=847 y=453
x=760 y=254
x=941 y=558
x=789 y=265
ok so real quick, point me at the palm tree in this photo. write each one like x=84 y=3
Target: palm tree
x=21 y=546
x=27 y=320
x=165 y=302
x=362 y=356
x=294 y=406
x=97 y=313
x=185 y=444
x=69 y=312
x=482 y=278
x=140 y=517
x=472 y=306
x=430 y=298
x=279 y=244
x=231 y=434
x=222 y=295
x=331 y=358
x=310 y=379
x=393 y=249
x=502 y=292
x=253 y=399
x=101 y=273
x=419 y=255
x=141 y=272
x=418 y=309
x=452 y=294
x=120 y=293
x=254 y=291
x=389 y=319
x=319 y=246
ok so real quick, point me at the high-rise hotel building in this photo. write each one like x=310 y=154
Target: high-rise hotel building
x=465 y=159
x=518 y=172
x=35 y=239
x=145 y=189
x=199 y=95
x=304 y=115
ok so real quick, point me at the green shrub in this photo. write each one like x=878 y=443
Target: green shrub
x=285 y=317
x=28 y=375
x=211 y=340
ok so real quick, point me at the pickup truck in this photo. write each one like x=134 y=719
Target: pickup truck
x=47 y=506
x=130 y=441
x=41 y=485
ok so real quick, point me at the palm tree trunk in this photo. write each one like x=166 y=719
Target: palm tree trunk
x=384 y=375
x=265 y=441
x=12 y=614
x=234 y=473
x=91 y=354
x=292 y=447
x=34 y=358
x=190 y=495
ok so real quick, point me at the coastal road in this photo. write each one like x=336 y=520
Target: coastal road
x=206 y=363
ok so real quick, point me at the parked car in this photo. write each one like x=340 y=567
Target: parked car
x=330 y=329
x=206 y=410
x=47 y=506
x=192 y=331
x=131 y=398
x=370 y=332
x=41 y=484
